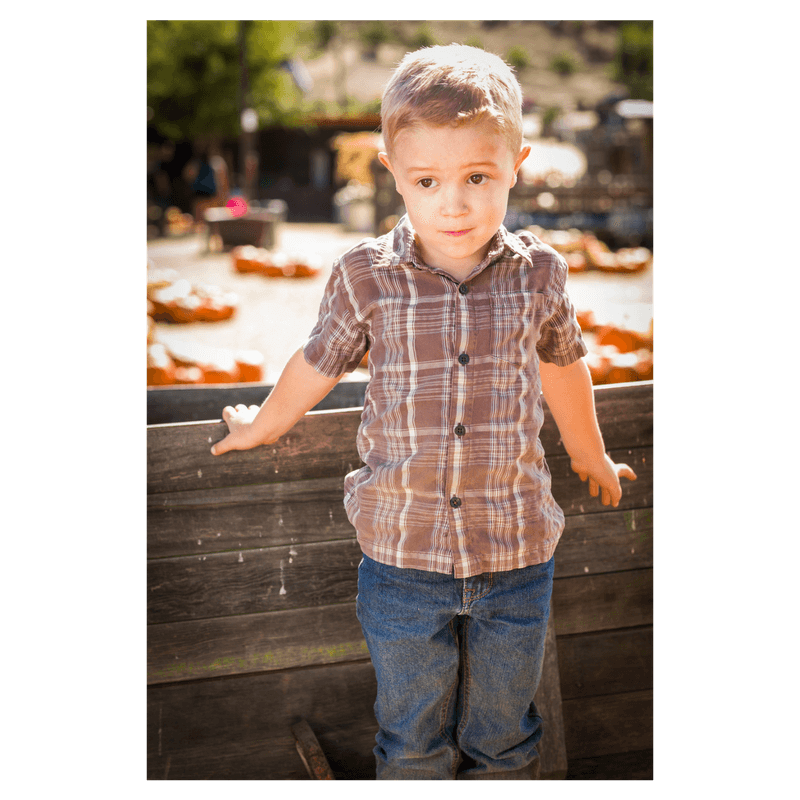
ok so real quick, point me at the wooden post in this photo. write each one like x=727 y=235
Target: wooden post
x=552 y=747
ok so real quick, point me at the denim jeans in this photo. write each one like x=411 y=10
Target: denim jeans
x=457 y=662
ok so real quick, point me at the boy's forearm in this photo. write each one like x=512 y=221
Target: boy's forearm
x=570 y=397
x=299 y=388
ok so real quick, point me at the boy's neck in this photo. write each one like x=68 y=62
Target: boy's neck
x=459 y=272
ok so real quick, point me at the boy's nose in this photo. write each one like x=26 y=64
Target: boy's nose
x=454 y=203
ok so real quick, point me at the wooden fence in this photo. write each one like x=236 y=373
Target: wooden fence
x=252 y=570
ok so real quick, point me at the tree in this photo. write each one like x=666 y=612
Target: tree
x=193 y=75
x=633 y=63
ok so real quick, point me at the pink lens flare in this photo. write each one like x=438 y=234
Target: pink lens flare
x=237 y=206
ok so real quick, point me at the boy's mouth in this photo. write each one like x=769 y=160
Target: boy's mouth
x=457 y=233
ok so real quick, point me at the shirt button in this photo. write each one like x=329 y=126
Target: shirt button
x=460 y=430
x=455 y=502
x=464 y=289
x=463 y=359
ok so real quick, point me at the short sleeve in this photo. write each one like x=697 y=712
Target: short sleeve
x=338 y=342
x=560 y=340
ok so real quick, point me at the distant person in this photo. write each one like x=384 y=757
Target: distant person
x=210 y=184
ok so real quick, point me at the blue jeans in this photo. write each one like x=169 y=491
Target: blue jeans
x=457 y=661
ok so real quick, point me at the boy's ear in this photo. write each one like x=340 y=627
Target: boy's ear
x=523 y=154
x=384 y=159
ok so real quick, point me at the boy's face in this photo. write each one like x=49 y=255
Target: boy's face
x=455 y=183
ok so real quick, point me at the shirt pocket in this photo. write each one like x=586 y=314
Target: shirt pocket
x=516 y=324
x=410 y=340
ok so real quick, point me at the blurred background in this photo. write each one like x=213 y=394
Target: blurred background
x=262 y=139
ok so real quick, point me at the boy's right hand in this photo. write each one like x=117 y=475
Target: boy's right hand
x=240 y=429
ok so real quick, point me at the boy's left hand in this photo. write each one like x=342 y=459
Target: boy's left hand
x=603 y=476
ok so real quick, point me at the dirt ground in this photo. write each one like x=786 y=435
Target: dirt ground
x=275 y=315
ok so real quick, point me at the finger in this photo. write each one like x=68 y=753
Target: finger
x=594 y=490
x=582 y=475
x=577 y=469
x=222 y=446
x=218 y=448
x=606 y=498
x=626 y=472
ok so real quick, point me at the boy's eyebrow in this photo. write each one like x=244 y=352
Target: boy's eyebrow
x=471 y=165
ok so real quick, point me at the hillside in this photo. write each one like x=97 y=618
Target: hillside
x=350 y=67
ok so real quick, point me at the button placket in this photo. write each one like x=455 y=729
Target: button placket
x=464 y=325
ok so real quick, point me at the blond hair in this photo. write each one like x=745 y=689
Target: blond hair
x=452 y=85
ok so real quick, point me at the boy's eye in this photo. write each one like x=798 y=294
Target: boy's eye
x=476 y=180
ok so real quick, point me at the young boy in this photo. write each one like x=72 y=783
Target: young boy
x=466 y=326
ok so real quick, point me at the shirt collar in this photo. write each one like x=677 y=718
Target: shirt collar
x=405 y=250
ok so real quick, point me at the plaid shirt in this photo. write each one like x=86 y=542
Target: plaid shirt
x=455 y=478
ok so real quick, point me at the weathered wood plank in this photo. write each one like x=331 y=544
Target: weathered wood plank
x=603 y=602
x=605 y=542
x=573 y=496
x=275 y=579
x=625 y=415
x=617 y=723
x=300 y=512
x=172 y=404
x=245 y=517
x=207 y=648
x=240 y=729
x=625 y=411
x=322 y=444
x=252 y=581
x=226 y=637
x=606 y=662
x=636 y=766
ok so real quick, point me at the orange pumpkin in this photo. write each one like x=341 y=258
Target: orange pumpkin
x=160 y=366
x=250 y=364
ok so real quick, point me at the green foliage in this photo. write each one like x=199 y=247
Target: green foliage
x=551 y=114
x=323 y=31
x=565 y=64
x=518 y=57
x=193 y=75
x=423 y=37
x=375 y=33
x=633 y=61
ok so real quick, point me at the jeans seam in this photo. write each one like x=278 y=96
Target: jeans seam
x=465 y=680
x=446 y=706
